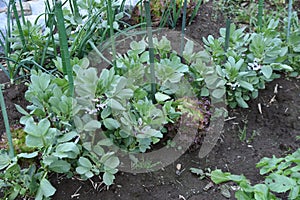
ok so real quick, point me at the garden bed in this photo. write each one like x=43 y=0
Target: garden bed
x=248 y=136
x=271 y=133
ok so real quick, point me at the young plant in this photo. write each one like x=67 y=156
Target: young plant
x=167 y=13
x=7 y=127
x=251 y=60
x=281 y=176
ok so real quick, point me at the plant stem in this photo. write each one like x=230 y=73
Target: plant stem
x=111 y=29
x=260 y=14
x=183 y=27
x=22 y=11
x=227 y=36
x=6 y=123
x=195 y=11
x=7 y=49
x=151 y=48
x=289 y=19
x=19 y=24
x=76 y=10
x=64 y=50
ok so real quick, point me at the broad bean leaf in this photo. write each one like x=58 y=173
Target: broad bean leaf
x=280 y=183
x=45 y=190
x=66 y=150
x=111 y=124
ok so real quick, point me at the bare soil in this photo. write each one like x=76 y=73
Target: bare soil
x=272 y=132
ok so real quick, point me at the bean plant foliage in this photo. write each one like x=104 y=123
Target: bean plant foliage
x=111 y=112
x=253 y=59
x=281 y=175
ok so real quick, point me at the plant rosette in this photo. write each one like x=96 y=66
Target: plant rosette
x=281 y=176
x=251 y=60
x=119 y=110
x=114 y=122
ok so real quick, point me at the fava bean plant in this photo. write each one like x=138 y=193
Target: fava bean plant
x=76 y=135
x=251 y=60
x=281 y=175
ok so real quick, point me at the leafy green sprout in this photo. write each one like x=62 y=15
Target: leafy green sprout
x=280 y=177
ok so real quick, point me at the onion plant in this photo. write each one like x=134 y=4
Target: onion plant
x=260 y=13
x=65 y=55
x=16 y=15
x=183 y=27
x=195 y=11
x=7 y=127
x=110 y=14
x=151 y=48
x=289 y=19
x=227 y=35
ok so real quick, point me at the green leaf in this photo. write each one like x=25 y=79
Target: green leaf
x=144 y=57
x=4 y=160
x=21 y=110
x=111 y=124
x=241 y=102
x=217 y=176
x=241 y=195
x=67 y=150
x=37 y=130
x=280 y=183
x=60 y=166
x=67 y=137
x=280 y=66
x=85 y=162
x=267 y=71
x=105 y=142
x=204 y=92
x=139 y=47
x=82 y=170
x=108 y=178
x=92 y=125
x=246 y=85
x=105 y=112
x=112 y=162
x=197 y=171
x=188 y=48
x=268 y=164
x=115 y=105
x=32 y=141
x=161 y=97
x=28 y=155
x=89 y=174
x=261 y=192
x=218 y=93
x=46 y=188
x=295 y=192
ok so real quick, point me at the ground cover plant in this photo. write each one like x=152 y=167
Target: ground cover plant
x=282 y=175
x=60 y=133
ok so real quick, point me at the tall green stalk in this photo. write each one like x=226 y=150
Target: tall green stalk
x=227 y=35
x=49 y=21
x=260 y=14
x=183 y=25
x=22 y=12
x=7 y=48
x=289 y=19
x=110 y=14
x=64 y=50
x=7 y=127
x=75 y=10
x=151 y=48
x=195 y=11
x=22 y=37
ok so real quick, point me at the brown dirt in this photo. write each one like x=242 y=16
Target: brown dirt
x=276 y=130
x=13 y=94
